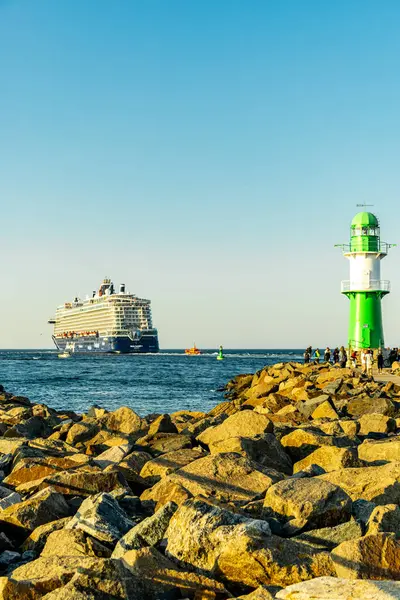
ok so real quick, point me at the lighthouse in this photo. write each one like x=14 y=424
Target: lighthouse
x=365 y=288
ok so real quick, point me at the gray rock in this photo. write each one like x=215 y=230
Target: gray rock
x=147 y=533
x=330 y=537
x=384 y=518
x=8 y=498
x=101 y=517
x=8 y=557
x=362 y=510
x=112 y=456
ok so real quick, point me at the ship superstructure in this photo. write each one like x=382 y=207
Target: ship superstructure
x=108 y=321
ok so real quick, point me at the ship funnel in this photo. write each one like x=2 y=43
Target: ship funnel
x=93 y=293
x=122 y=288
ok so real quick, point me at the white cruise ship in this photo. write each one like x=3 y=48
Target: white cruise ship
x=108 y=321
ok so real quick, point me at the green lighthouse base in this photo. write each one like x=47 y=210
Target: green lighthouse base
x=365 y=323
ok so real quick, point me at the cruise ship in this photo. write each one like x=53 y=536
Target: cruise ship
x=108 y=321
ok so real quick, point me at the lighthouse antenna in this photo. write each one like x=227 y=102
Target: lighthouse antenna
x=364 y=205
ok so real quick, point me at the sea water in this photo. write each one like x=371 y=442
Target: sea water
x=151 y=383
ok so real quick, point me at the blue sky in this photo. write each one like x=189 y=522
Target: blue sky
x=208 y=154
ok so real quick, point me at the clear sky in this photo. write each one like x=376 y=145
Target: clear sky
x=208 y=153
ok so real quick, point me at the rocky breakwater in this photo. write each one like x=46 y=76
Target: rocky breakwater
x=287 y=489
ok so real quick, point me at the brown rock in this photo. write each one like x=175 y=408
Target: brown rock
x=73 y=542
x=39 y=535
x=103 y=577
x=112 y=456
x=81 y=482
x=29 y=469
x=82 y=431
x=166 y=491
x=334 y=588
x=330 y=458
x=242 y=424
x=376 y=423
x=310 y=501
x=261 y=593
x=301 y=442
x=161 y=443
x=240 y=550
x=123 y=421
x=45 y=506
x=167 y=463
x=364 y=405
x=162 y=424
x=375 y=556
x=161 y=577
x=375 y=451
x=264 y=449
x=384 y=518
x=271 y=403
x=229 y=477
x=379 y=484
x=325 y=411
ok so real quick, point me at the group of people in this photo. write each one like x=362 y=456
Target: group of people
x=338 y=355
x=365 y=357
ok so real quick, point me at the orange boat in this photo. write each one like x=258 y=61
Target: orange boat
x=192 y=351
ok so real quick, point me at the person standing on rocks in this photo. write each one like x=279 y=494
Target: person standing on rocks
x=336 y=356
x=353 y=357
x=307 y=355
x=317 y=355
x=342 y=357
x=380 y=360
x=368 y=362
x=327 y=354
x=363 y=364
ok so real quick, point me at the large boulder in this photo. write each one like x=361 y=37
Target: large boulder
x=241 y=551
x=45 y=506
x=330 y=458
x=311 y=502
x=73 y=542
x=384 y=518
x=161 y=578
x=82 y=431
x=330 y=537
x=301 y=442
x=246 y=423
x=376 y=424
x=363 y=405
x=229 y=477
x=101 y=578
x=122 y=421
x=375 y=451
x=102 y=518
x=375 y=556
x=264 y=449
x=29 y=469
x=148 y=532
x=165 y=464
x=162 y=424
x=334 y=588
x=83 y=482
x=37 y=539
x=379 y=484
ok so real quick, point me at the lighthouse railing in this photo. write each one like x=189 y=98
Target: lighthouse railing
x=381 y=285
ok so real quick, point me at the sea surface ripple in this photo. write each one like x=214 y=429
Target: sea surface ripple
x=151 y=383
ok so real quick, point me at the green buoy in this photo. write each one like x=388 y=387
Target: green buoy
x=220 y=355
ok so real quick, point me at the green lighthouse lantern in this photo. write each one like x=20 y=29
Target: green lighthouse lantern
x=365 y=288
